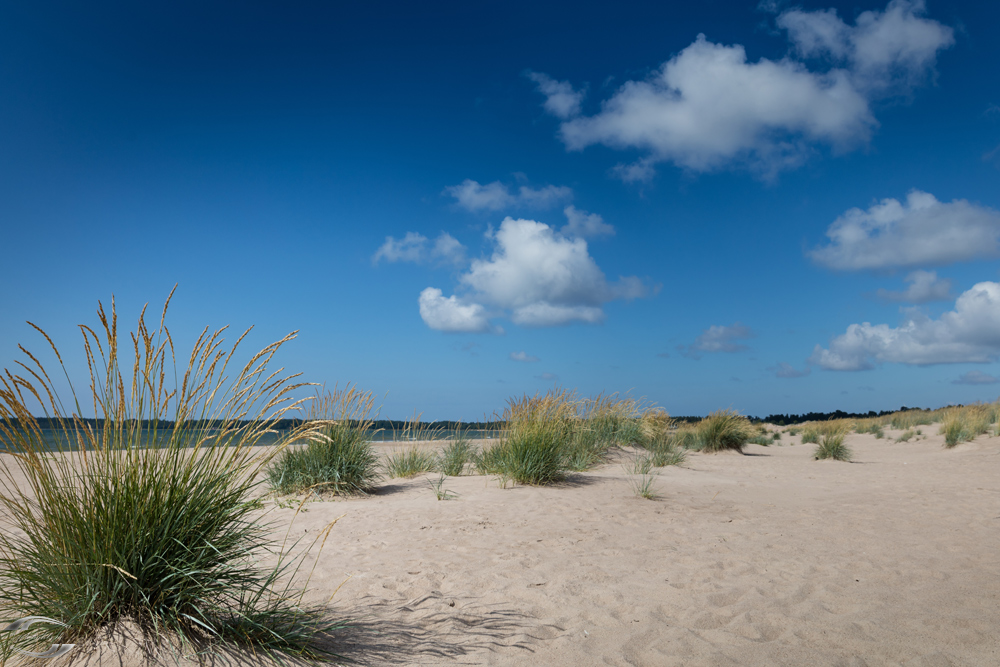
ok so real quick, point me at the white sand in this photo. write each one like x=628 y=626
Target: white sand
x=766 y=559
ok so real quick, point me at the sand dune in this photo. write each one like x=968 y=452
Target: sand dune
x=766 y=559
x=770 y=558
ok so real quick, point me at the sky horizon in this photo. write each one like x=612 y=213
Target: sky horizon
x=770 y=207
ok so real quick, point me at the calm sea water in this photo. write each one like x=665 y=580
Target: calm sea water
x=53 y=438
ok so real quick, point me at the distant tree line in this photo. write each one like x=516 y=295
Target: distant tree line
x=784 y=420
x=399 y=424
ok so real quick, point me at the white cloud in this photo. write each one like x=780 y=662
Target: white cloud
x=585 y=224
x=708 y=107
x=719 y=338
x=921 y=232
x=496 y=196
x=885 y=51
x=783 y=370
x=451 y=314
x=975 y=377
x=410 y=249
x=560 y=99
x=544 y=278
x=413 y=248
x=535 y=276
x=548 y=377
x=969 y=333
x=925 y=286
x=523 y=356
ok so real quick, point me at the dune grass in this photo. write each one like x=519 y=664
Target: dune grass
x=875 y=426
x=150 y=517
x=410 y=462
x=641 y=476
x=906 y=436
x=831 y=446
x=532 y=443
x=966 y=423
x=725 y=430
x=456 y=455
x=338 y=457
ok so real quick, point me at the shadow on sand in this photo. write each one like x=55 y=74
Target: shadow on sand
x=375 y=632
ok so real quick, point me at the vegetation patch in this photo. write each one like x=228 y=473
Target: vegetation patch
x=338 y=456
x=150 y=518
x=725 y=430
x=410 y=462
x=832 y=446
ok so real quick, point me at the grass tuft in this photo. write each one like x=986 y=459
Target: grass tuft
x=455 y=456
x=832 y=447
x=725 y=430
x=339 y=457
x=410 y=462
x=149 y=515
x=641 y=476
x=531 y=446
x=440 y=492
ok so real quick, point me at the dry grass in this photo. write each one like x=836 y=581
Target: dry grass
x=149 y=518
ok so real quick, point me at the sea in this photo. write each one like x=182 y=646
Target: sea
x=55 y=440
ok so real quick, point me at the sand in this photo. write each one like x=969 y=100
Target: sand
x=768 y=558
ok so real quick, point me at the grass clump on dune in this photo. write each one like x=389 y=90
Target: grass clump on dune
x=658 y=439
x=532 y=443
x=875 y=426
x=455 y=456
x=832 y=446
x=687 y=437
x=966 y=423
x=410 y=462
x=148 y=516
x=725 y=430
x=810 y=434
x=339 y=456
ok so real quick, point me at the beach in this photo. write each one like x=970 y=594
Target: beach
x=767 y=558
x=762 y=558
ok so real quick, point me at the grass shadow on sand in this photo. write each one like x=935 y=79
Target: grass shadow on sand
x=385 y=632
x=380 y=633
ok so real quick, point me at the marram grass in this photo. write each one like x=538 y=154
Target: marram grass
x=143 y=520
x=725 y=430
x=410 y=462
x=831 y=446
x=338 y=457
x=456 y=455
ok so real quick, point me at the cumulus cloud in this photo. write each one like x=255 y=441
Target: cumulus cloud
x=544 y=278
x=548 y=377
x=708 y=107
x=719 y=338
x=585 y=224
x=925 y=286
x=536 y=276
x=969 y=333
x=523 y=356
x=452 y=315
x=495 y=196
x=560 y=99
x=783 y=370
x=892 y=50
x=413 y=248
x=975 y=377
x=920 y=232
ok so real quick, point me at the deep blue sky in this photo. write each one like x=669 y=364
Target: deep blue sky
x=271 y=160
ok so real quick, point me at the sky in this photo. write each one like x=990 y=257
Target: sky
x=774 y=207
